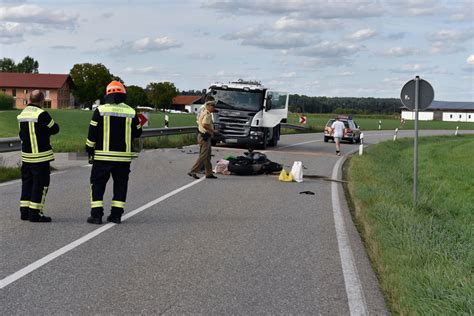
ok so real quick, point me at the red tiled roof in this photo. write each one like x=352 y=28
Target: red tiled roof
x=40 y=81
x=185 y=99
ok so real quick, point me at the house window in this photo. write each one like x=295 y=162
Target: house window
x=25 y=102
x=25 y=91
x=47 y=95
x=47 y=104
x=450 y=116
x=469 y=115
x=4 y=90
x=13 y=92
x=459 y=115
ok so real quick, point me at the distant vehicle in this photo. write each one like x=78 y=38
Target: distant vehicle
x=351 y=132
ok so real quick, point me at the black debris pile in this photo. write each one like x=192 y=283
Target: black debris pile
x=252 y=163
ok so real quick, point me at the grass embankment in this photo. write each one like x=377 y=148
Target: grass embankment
x=7 y=174
x=424 y=256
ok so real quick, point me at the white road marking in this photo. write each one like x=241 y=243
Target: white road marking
x=355 y=294
x=41 y=262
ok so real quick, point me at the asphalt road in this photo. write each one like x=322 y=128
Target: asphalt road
x=235 y=245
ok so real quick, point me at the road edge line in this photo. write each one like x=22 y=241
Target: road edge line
x=354 y=290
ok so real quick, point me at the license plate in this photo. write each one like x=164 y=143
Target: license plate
x=231 y=140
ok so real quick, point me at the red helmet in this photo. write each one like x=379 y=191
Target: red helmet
x=115 y=87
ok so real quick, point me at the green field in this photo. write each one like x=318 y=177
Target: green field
x=424 y=256
x=7 y=174
x=74 y=125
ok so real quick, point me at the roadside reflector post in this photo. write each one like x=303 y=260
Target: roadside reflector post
x=361 y=146
x=395 y=135
x=380 y=124
x=456 y=132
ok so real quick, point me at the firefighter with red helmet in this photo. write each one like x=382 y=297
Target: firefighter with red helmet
x=112 y=129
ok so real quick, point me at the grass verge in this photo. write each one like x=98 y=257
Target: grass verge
x=423 y=256
x=7 y=174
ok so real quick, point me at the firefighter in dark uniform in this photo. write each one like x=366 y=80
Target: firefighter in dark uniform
x=36 y=127
x=112 y=129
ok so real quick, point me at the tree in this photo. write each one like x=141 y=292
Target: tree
x=6 y=102
x=90 y=81
x=7 y=65
x=27 y=65
x=161 y=94
x=136 y=96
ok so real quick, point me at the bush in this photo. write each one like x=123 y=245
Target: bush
x=6 y=102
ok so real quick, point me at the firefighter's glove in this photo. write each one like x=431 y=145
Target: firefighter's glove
x=90 y=153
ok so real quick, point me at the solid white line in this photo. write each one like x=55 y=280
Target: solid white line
x=355 y=294
x=41 y=262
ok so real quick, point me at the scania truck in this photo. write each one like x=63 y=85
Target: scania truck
x=248 y=114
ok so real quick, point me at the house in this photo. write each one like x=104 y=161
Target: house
x=187 y=103
x=443 y=111
x=56 y=88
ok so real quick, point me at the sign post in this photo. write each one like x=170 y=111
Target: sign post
x=416 y=93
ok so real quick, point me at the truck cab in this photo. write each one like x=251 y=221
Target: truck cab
x=248 y=114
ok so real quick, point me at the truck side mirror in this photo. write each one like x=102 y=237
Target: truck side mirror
x=268 y=104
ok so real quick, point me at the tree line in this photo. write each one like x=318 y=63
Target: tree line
x=90 y=81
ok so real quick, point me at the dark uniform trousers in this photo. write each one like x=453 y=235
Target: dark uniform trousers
x=101 y=171
x=35 y=183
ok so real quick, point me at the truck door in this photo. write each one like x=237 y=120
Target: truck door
x=275 y=108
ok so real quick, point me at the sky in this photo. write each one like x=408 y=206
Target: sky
x=334 y=48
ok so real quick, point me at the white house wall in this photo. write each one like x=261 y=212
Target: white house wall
x=458 y=117
x=422 y=116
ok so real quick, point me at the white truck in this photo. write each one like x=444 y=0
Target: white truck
x=248 y=114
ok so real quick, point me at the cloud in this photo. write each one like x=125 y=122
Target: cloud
x=416 y=7
x=242 y=34
x=449 y=41
x=147 y=44
x=396 y=36
x=150 y=70
x=398 y=52
x=308 y=8
x=277 y=41
x=305 y=25
x=201 y=56
x=470 y=59
x=29 y=13
x=317 y=63
x=329 y=50
x=11 y=33
x=345 y=74
x=420 y=69
x=62 y=47
x=362 y=34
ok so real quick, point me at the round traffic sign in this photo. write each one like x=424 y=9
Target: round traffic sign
x=425 y=94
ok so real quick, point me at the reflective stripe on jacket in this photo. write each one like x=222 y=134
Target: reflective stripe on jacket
x=111 y=132
x=36 y=127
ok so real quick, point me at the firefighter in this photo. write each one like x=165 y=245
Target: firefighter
x=36 y=127
x=112 y=129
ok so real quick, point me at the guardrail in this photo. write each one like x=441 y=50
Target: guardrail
x=10 y=144
x=14 y=143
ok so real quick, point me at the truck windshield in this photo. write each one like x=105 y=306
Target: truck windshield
x=238 y=99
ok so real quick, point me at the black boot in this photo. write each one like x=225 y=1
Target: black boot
x=94 y=220
x=24 y=213
x=35 y=217
x=115 y=215
x=96 y=216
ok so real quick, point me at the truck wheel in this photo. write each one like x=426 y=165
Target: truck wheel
x=276 y=136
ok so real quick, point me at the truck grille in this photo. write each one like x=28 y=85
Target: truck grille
x=231 y=124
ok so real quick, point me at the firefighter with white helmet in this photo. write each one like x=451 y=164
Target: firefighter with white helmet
x=112 y=129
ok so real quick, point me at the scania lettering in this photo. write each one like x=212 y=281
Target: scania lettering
x=248 y=114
